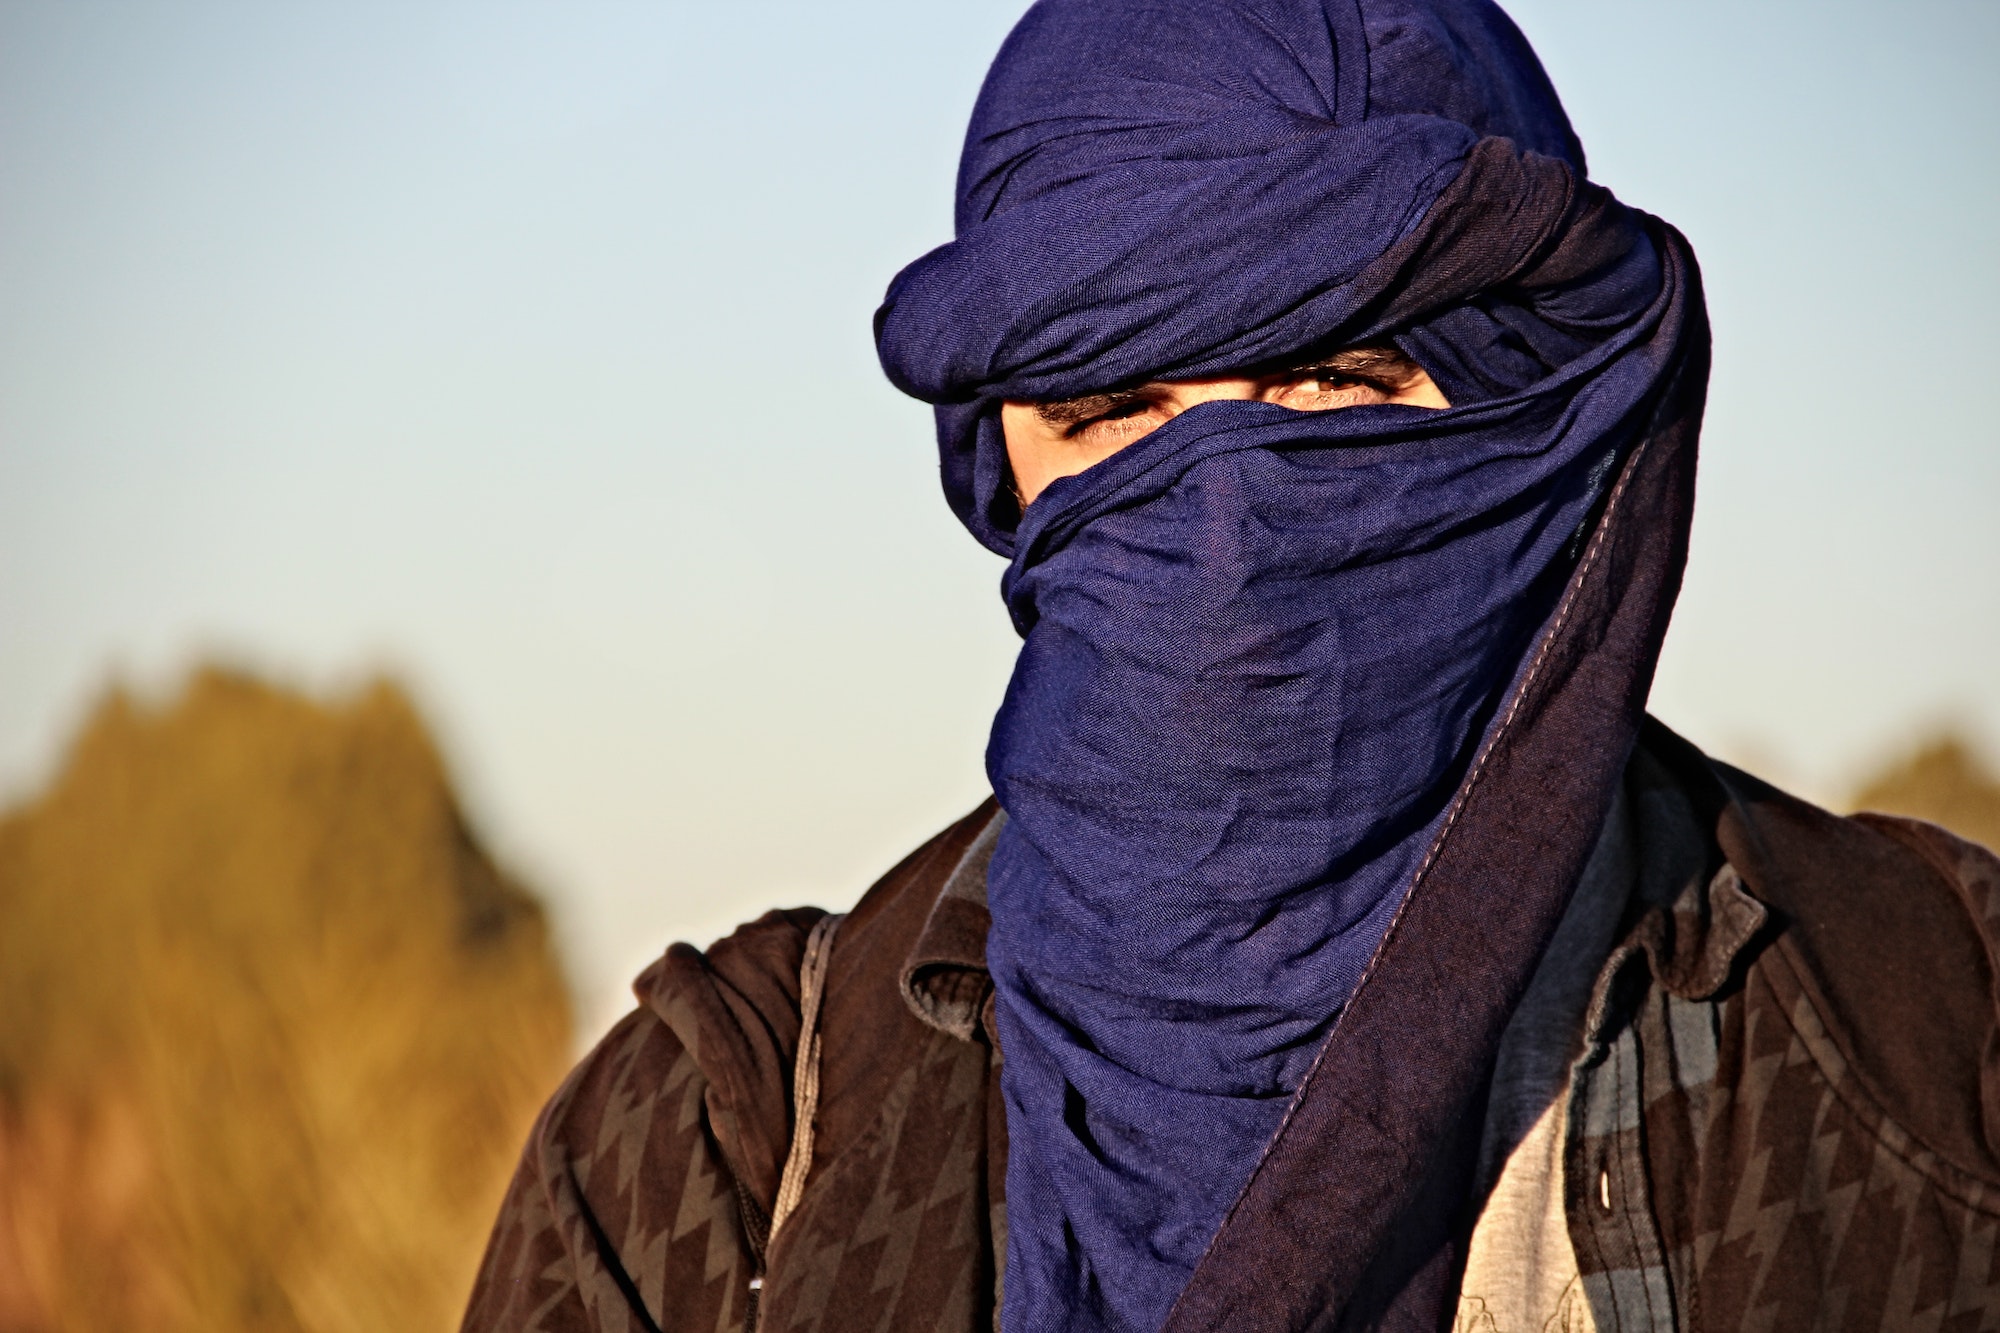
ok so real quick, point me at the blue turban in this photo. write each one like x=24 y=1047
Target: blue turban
x=1268 y=653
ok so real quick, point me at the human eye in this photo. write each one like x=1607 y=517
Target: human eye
x=1322 y=388
x=1126 y=420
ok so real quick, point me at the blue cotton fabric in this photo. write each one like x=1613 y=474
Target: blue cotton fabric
x=1261 y=647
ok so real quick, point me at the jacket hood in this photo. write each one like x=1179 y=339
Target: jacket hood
x=735 y=1008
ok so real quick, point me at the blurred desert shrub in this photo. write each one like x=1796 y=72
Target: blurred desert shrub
x=1944 y=782
x=272 y=1025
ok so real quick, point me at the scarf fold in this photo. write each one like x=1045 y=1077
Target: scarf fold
x=1262 y=648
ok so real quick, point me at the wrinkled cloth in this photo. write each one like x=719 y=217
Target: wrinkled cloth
x=1262 y=647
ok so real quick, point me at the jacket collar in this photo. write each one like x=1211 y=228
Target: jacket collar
x=944 y=978
x=1697 y=912
x=1691 y=914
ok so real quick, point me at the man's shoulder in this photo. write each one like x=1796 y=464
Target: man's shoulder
x=1883 y=933
x=716 y=1031
x=654 y=1166
x=1900 y=887
x=619 y=1196
x=1889 y=933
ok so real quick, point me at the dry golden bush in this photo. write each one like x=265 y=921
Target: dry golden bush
x=1944 y=782
x=272 y=1025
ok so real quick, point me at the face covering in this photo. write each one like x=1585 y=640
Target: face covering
x=1266 y=653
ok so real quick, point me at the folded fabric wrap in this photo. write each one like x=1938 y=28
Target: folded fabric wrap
x=1261 y=647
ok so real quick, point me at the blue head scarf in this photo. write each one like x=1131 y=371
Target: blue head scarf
x=1262 y=647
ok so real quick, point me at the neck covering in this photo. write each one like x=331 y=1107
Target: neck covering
x=1263 y=648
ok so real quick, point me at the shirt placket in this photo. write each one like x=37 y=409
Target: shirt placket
x=1619 y=1253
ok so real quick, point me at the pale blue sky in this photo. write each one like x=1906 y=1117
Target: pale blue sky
x=521 y=350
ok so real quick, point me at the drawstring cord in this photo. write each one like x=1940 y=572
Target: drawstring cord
x=805 y=1097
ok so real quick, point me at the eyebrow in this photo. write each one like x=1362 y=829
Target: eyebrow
x=1383 y=365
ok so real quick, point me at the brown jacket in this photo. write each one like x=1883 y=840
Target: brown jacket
x=1787 y=1116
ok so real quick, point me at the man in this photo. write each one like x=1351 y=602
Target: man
x=1351 y=951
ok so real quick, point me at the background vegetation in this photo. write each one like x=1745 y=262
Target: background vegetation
x=1944 y=782
x=272 y=1026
